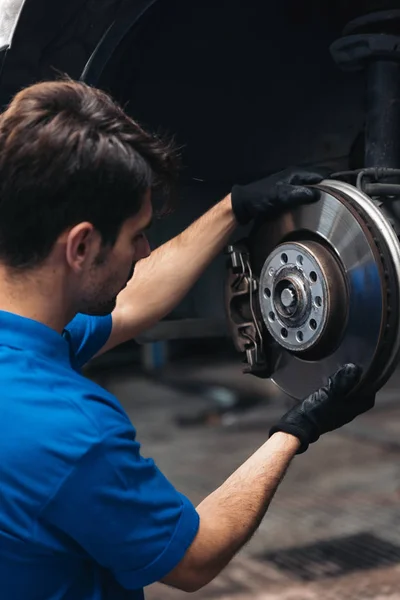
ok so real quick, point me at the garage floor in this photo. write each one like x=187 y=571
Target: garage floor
x=333 y=530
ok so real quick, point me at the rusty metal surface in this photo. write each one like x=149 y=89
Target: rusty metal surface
x=333 y=529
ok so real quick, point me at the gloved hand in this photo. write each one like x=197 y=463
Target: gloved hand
x=275 y=194
x=328 y=408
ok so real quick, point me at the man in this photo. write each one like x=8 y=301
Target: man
x=83 y=515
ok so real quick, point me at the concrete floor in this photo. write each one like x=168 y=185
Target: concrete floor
x=333 y=529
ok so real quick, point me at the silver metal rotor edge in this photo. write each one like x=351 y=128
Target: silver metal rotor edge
x=387 y=232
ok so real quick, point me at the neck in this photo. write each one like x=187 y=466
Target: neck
x=38 y=294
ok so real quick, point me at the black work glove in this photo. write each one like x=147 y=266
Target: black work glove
x=327 y=409
x=276 y=194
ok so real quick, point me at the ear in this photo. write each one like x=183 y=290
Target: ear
x=82 y=245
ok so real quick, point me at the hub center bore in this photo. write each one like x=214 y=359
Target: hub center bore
x=288 y=297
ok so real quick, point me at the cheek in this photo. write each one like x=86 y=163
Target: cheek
x=111 y=273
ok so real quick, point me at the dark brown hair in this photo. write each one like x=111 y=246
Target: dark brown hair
x=69 y=153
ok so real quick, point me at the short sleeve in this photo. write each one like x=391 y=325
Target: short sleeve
x=123 y=512
x=87 y=335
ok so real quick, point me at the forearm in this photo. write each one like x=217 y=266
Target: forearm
x=230 y=515
x=164 y=278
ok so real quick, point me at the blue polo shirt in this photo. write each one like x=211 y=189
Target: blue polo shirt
x=83 y=516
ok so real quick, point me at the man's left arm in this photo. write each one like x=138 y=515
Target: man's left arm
x=163 y=279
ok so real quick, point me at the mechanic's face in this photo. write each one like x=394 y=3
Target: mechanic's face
x=112 y=268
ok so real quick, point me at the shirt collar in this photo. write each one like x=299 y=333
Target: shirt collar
x=26 y=334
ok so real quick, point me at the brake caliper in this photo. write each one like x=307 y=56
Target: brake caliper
x=243 y=313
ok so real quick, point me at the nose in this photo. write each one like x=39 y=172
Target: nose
x=143 y=248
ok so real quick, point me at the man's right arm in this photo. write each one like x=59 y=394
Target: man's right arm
x=230 y=515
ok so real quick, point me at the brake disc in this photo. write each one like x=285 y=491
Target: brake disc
x=325 y=281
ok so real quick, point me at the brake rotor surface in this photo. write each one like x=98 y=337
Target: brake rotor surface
x=329 y=282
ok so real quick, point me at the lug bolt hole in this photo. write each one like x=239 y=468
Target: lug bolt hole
x=271 y=316
x=284 y=258
x=299 y=260
x=313 y=324
x=313 y=276
x=284 y=332
x=271 y=271
x=267 y=293
x=299 y=336
x=318 y=301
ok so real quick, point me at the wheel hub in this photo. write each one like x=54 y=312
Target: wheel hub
x=301 y=290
